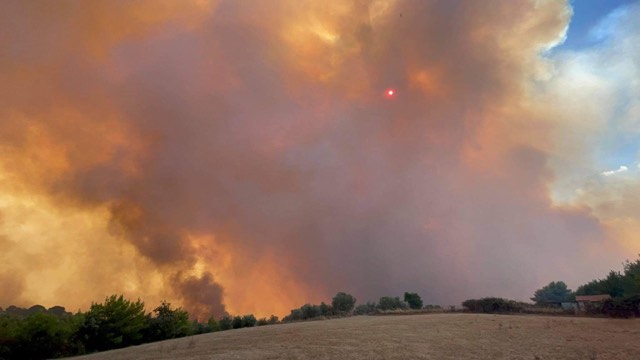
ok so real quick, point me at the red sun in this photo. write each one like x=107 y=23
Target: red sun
x=390 y=92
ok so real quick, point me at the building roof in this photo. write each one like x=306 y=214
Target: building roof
x=592 y=298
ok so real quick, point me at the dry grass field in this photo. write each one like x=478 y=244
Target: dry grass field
x=436 y=336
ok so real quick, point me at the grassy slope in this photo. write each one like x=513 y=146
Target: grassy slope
x=439 y=336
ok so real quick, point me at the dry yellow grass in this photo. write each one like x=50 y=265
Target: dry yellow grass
x=435 y=336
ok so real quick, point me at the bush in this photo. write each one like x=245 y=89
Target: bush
x=236 y=323
x=9 y=329
x=249 y=321
x=625 y=307
x=392 y=303
x=41 y=335
x=365 y=309
x=414 y=300
x=273 y=320
x=306 y=312
x=225 y=323
x=326 y=310
x=295 y=315
x=310 y=311
x=198 y=328
x=213 y=325
x=493 y=305
x=343 y=303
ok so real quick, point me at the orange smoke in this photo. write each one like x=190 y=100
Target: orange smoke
x=241 y=157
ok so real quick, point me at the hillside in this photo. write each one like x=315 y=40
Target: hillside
x=441 y=336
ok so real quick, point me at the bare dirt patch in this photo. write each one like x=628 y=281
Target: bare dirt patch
x=436 y=336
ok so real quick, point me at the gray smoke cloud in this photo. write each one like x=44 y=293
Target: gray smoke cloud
x=251 y=148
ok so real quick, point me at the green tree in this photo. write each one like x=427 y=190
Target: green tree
x=249 y=320
x=343 y=303
x=198 y=328
x=236 y=323
x=295 y=315
x=41 y=335
x=213 y=325
x=365 y=309
x=391 y=303
x=325 y=310
x=413 y=299
x=116 y=323
x=594 y=287
x=554 y=292
x=168 y=323
x=632 y=273
x=9 y=330
x=270 y=321
x=310 y=311
x=614 y=284
x=226 y=322
x=493 y=305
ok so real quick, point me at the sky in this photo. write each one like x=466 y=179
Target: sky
x=588 y=17
x=247 y=157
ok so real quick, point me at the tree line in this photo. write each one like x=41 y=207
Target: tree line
x=344 y=304
x=40 y=333
x=622 y=286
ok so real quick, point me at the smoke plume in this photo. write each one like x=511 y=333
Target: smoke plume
x=242 y=156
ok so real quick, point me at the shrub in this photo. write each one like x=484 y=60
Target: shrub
x=249 y=320
x=295 y=315
x=493 y=305
x=326 y=310
x=343 y=303
x=625 y=307
x=310 y=311
x=9 y=329
x=236 y=323
x=213 y=325
x=273 y=320
x=225 y=323
x=41 y=335
x=414 y=300
x=365 y=309
x=391 y=303
x=198 y=328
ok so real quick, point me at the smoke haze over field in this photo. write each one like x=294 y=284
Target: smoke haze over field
x=242 y=156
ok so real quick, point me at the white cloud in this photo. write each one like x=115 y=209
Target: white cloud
x=613 y=172
x=591 y=103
